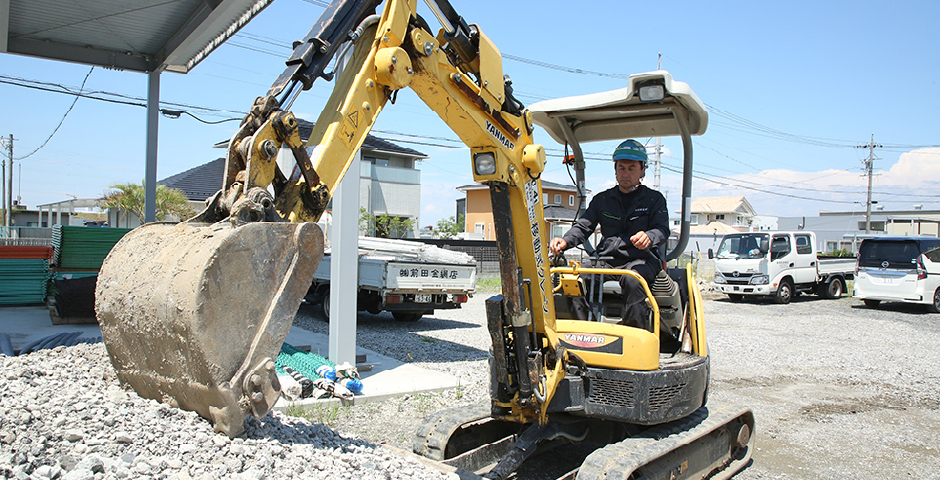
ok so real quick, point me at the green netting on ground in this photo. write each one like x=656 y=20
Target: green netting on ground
x=304 y=362
x=23 y=281
x=83 y=247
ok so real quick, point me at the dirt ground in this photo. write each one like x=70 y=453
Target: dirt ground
x=838 y=390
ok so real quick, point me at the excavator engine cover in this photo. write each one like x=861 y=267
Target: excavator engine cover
x=193 y=315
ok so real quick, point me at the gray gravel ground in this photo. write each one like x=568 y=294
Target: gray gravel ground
x=838 y=390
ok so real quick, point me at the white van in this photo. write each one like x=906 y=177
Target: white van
x=899 y=269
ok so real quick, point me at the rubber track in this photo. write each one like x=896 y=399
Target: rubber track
x=434 y=434
x=620 y=460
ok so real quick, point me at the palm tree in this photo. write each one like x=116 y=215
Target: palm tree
x=129 y=197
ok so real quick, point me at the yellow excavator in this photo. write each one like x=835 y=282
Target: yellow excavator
x=193 y=314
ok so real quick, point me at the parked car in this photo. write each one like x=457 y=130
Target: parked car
x=899 y=269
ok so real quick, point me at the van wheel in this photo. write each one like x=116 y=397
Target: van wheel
x=872 y=303
x=784 y=292
x=407 y=316
x=935 y=307
x=835 y=288
x=735 y=297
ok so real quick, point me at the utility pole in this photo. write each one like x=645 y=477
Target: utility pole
x=869 y=165
x=8 y=186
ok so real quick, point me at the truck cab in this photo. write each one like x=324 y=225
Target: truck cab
x=777 y=264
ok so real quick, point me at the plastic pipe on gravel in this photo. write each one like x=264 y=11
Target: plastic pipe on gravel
x=40 y=344
x=6 y=346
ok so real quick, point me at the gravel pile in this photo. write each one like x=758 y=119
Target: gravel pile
x=63 y=415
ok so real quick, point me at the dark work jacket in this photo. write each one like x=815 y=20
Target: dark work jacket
x=620 y=216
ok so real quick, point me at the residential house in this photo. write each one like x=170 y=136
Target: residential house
x=388 y=178
x=713 y=218
x=560 y=203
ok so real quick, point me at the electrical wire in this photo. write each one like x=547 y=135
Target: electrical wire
x=77 y=96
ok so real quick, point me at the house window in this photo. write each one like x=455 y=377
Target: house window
x=693 y=219
x=545 y=198
x=557 y=199
x=832 y=246
x=720 y=216
x=738 y=220
x=570 y=200
x=479 y=227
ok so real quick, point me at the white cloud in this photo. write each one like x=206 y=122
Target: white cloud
x=918 y=168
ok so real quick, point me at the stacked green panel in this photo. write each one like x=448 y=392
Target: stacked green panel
x=83 y=247
x=23 y=280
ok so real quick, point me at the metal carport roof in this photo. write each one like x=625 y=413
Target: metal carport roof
x=147 y=36
x=137 y=35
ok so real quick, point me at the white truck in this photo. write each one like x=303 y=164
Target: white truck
x=406 y=278
x=778 y=264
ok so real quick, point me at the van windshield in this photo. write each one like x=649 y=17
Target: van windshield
x=897 y=254
x=748 y=245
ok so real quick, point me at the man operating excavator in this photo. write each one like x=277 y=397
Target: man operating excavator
x=633 y=218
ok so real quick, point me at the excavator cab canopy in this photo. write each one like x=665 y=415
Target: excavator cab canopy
x=646 y=107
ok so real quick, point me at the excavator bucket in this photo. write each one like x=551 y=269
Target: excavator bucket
x=194 y=315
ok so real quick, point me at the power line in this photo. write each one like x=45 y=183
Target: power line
x=701 y=177
x=60 y=121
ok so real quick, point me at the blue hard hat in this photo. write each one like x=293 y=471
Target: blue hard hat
x=631 y=150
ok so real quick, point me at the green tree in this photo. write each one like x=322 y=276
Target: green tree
x=129 y=197
x=384 y=225
x=448 y=227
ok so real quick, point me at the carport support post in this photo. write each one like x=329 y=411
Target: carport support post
x=153 y=120
x=344 y=266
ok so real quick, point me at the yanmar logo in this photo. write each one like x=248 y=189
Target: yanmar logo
x=499 y=136
x=585 y=338
x=591 y=342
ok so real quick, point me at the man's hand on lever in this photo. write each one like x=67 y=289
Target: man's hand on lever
x=557 y=245
x=641 y=240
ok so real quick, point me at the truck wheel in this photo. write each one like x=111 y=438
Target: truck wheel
x=835 y=288
x=325 y=307
x=872 y=303
x=935 y=306
x=407 y=316
x=735 y=297
x=784 y=292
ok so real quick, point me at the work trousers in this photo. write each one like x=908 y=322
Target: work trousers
x=636 y=312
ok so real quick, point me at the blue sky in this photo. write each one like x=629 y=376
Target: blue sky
x=792 y=88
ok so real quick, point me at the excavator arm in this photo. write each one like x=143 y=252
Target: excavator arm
x=458 y=74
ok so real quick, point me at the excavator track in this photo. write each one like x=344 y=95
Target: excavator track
x=713 y=442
